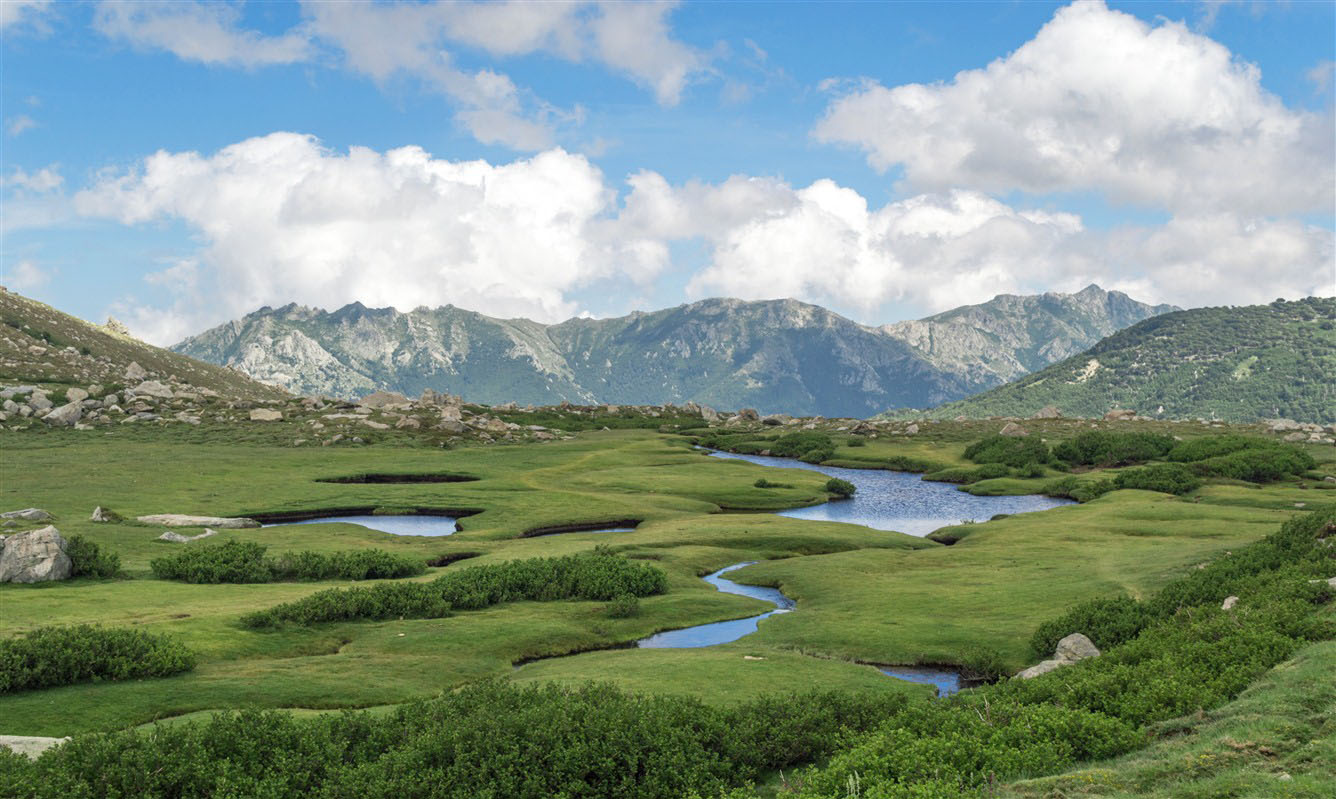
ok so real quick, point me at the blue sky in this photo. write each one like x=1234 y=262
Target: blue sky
x=599 y=158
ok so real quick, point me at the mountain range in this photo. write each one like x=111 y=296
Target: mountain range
x=774 y=355
x=1238 y=364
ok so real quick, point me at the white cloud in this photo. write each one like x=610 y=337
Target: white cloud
x=16 y=125
x=205 y=32
x=25 y=276
x=1153 y=115
x=634 y=38
x=33 y=199
x=43 y=181
x=286 y=220
x=13 y=12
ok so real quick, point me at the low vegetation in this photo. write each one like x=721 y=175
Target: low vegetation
x=51 y=656
x=246 y=562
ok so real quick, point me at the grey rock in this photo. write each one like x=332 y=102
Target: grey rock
x=384 y=399
x=912 y=429
x=76 y=395
x=152 y=388
x=1043 y=667
x=1075 y=647
x=1119 y=415
x=265 y=415
x=135 y=372
x=184 y=520
x=39 y=402
x=1047 y=412
x=28 y=515
x=709 y=414
x=36 y=556
x=1297 y=436
x=1013 y=430
x=748 y=415
x=1229 y=603
x=64 y=416
x=29 y=746
x=177 y=538
x=408 y=423
x=9 y=406
x=111 y=399
x=107 y=515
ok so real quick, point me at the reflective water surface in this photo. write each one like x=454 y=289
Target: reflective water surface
x=395 y=525
x=721 y=632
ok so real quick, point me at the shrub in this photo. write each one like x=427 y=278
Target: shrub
x=764 y=483
x=1170 y=478
x=1199 y=449
x=623 y=607
x=229 y=562
x=1012 y=451
x=817 y=455
x=358 y=564
x=840 y=488
x=245 y=562
x=1106 y=622
x=599 y=576
x=1257 y=465
x=88 y=560
x=1103 y=448
x=1078 y=489
x=799 y=444
x=857 y=441
x=50 y=656
x=964 y=474
x=1030 y=470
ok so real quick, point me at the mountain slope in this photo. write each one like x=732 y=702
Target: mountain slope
x=1236 y=364
x=1010 y=336
x=40 y=345
x=776 y=355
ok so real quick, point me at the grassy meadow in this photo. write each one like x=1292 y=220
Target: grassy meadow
x=864 y=596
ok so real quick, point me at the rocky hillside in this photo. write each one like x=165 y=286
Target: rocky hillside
x=1010 y=336
x=42 y=346
x=1237 y=364
x=777 y=355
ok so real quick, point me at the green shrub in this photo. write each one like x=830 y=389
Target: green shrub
x=764 y=483
x=1103 y=448
x=857 y=441
x=358 y=564
x=840 y=488
x=598 y=576
x=1078 y=489
x=50 y=656
x=1199 y=449
x=245 y=562
x=964 y=474
x=1170 y=478
x=1257 y=465
x=623 y=607
x=799 y=444
x=88 y=560
x=1009 y=450
x=229 y=562
x=1030 y=470
x=1106 y=622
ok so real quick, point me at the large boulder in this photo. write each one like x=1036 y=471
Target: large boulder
x=451 y=413
x=384 y=399
x=75 y=395
x=265 y=415
x=183 y=520
x=106 y=515
x=748 y=415
x=152 y=388
x=66 y=415
x=709 y=414
x=135 y=372
x=37 y=556
x=1072 y=649
x=27 y=515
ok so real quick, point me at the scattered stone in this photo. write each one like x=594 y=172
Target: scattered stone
x=384 y=399
x=76 y=395
x=152 y=388
x=1282 y=425
x=912 y=429
x=37 y=556
x=1229 y=603
x=1047 y=412
x=265 y=415
x=177 y=538
x=1119 y=415
x=29 y=746
x=183 y=520
x=101 y=514
x=374 y=425
x=1013 y=430
x=28 y=515
x=408 y=423
x=1296 y=436
x=135 y=372
x=64 y=416
x=39 y=402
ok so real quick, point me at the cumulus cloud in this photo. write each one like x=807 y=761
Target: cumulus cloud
x=205 y=32
x=43 y=181
x=1098 y=100
x=25 y=276
x=14 y=12
x=286 y=220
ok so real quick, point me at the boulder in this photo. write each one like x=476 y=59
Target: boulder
x=748 y=415
x=29 y=746
x=408 y=423
x=101 y=514
x=1047 y=412
x=28 y=515
x=430 y=397
x=1013 y=430
x=39 y=402
x=1281 y=425
x=374 y=425
x=452 y=426
x=152 y=388
x=1075 y=647
x=384 y=399
x=177 y=538
x=266 y=415
x=776 y=419
x=709 y=414
x=1297 y=436
x=135 y=372
x=451 y=413
x=1119 y=415
x=912 y=429
x=76 y=395
x=183 y=520
x=36 y=556
x=66 y=415
x=1043 y=667
x=1229 y=603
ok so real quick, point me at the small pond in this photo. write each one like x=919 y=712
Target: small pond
x=416 y=524
x=900 y=501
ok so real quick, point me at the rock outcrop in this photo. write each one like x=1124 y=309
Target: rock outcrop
x=36 y=556
x=1072 y=649
x=27 y=515
x=177 y=538
x=183 y=520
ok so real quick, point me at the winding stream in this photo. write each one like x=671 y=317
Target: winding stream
x=721 y=632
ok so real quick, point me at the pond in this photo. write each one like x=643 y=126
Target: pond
x=900 y=501
x=415 y=524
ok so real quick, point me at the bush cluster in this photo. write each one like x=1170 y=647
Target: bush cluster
x=88 y=560
x=1257 y=465
x=50 y=656
x=246 y=562
x=1169 y=478
x=1105 y=448
x=623 y=607
x=964 y=474
x=840 y=488
x=1078 y=489
x=1009 y=450
x=598 y=576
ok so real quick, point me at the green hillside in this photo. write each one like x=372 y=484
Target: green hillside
x=1230 y=363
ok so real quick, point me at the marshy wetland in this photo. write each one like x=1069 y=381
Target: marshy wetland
x=755 y=600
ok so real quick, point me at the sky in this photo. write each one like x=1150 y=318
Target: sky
x=180 y=164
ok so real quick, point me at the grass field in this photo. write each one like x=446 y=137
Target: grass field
x=863 y=595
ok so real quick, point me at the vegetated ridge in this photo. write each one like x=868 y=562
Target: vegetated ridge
x=776 y=355
x=1236 y=364
x=40 y=345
